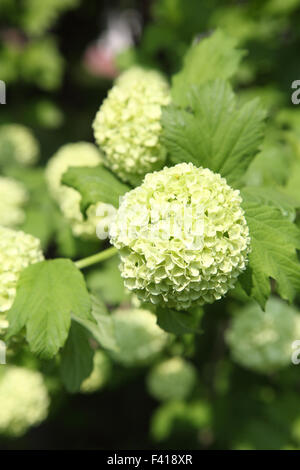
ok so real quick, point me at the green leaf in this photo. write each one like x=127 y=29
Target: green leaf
x=101 y=327
x=98 y=307
x=39 y=223
x=293 y=183
x=271 y=166
x=178 y=323
x=275 y=197
x=213 y=57
x=76 y=358
x=47 y=293
x=66 y=243
x=95 y=184
x=213 y=132
x=106 y=281
x=40 y=209
x=274 y=241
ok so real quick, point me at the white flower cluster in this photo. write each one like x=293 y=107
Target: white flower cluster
x=172 y=379
x=17 y=251
x=20 y=143
x=13 y=196
x=262 y=341
x=182 y=237
x=128 y=125
x=139 y=338
x=24 y=400
x=76 y=155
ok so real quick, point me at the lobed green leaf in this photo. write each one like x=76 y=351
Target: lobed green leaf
x=95 y=184
x=213 y=57
x=76 y=358
x=274 y=243
x=47 y=293
x=178 y=323
x=213 y=132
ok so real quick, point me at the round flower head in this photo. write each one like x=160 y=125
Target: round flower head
x=13 y=196
x=76 y=155
x=19 y=143
x=17 y=251
x=139 y=338
x=99 y=375
x=180 y=415
x=262 y=341
x=172 y=379
x=182 y=236
x=127 y=127
x=24 y=400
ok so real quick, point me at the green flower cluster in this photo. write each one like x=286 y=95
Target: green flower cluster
x=24 y=400
x=13 y=196
x=100 y=374
x=38 y=17
x=19 y=143
x=262 y=341
x=68 y=199
x=182 y=236
x=139 y=338
x=17 y=251
x=128 y=125
x=172 y=379
x=181 y=415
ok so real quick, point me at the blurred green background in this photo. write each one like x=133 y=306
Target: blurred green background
x=58 y=59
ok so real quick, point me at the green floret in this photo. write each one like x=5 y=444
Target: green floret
x=139 y=338
x=19 y=143
x=13 y=196
x=100 y=374
x=24 y=400
x=172 y=379
x=262 y=341
x=17 y=251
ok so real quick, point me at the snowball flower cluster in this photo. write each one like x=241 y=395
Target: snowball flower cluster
x=139 y=338
x=262 y=341
x=182 y=236
x=76 y=155
x=128 y=125
x=13 y=196
x=172 y=379
x=19 y=143
x=24 y=400
x=175 y=415
x=17 y=251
